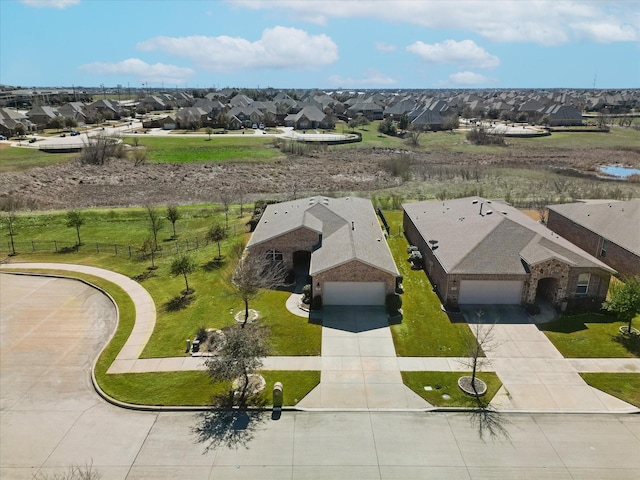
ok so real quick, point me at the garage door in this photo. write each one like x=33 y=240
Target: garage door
x=353 y=293
x=497 y=292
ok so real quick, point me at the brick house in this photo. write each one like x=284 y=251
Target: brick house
x=340 y=241
x=480 y=252
x=610 y=231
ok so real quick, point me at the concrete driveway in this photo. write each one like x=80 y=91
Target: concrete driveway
x=534 y=374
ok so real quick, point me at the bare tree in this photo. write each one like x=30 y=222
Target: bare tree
x=147 y=249
x=226 y=196
x=541 y=207
x=240 y=355
x=75 y=220
x=209 y=131
x=139 y=156
x=451 y=122
x=173 y=215
x=216 y=233
x=100 y=148
x=482 y=341
x=9 y=206
x=253 y=274
x=155 y=223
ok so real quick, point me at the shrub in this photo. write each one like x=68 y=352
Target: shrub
x=316 y=302
x=480 y=136
x=306 y=294
x=202 y=334
x=393 y=303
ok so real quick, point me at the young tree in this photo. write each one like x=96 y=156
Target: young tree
x=239 y=356
x=216 y=233
x=155 y=223
x=173 y=215
x=184 y=265
x=75 y=220
x=413 y=136
x=222 y=120
x=226 y=196
x=403 y=124
x=624 y=300
x=9 y=206
x=252 y=274
x=147 y=249
x=209 y=131
x=478 y=344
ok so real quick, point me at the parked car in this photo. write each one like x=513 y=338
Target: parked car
x=74 y=133
x=2 y=137
x=63 y=135
x=32 y=140
x=261 y=126
x=254 y=126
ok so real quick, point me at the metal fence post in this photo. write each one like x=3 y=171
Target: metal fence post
x=97 y=247
x=55 y=246
x=33 y=247
x=115 y=246
x=129 y=251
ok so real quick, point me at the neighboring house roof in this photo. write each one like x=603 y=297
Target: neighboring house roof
x=618 y=222
x=504 y=241
x=349 y=227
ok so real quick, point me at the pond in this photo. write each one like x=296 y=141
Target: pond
x=618 y=171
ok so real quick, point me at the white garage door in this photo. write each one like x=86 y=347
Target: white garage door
x=497 y=292
x=353 y=293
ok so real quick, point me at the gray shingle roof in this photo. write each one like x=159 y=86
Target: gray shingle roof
x=502 y=242
x=618 y=222
x=349 y=227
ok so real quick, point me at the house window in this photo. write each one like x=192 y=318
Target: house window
x=275 y=256
x=603 y=249
x=583 y=283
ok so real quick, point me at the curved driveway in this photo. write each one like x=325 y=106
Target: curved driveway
x=50 y=418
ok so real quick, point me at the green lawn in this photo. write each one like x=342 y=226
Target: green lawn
x=446 y=383
x=15 y=158
x=183 y=149
x=625 y=386
x=213 y=304
x=591 y=335
x=425 y=330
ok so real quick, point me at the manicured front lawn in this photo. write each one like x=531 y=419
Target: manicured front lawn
x=425 y=330
x=446 y=383
x=625 y=386
x=590 y=335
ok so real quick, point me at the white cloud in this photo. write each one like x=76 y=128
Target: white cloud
x=465 y=53
x=385 y=47
x=469 y=78
x=371 y=78
x=279 y=47
x=158 y=72
x=546 y=22
x=50 y=3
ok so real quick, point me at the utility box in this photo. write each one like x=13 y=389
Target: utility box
x=277 y=395
x=195 y=346
x=188 y=345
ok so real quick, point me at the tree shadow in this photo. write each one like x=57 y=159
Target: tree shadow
x=71 y=249
x=179 y=302
x=229 y=426
x=630 y=342
x=215 y=264
x=489 y=422
x=149 y=273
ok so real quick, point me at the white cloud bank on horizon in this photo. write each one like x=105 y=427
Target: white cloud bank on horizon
x=465 y=52
x=143 y=71
x=469 y=78
x=545 y=22
x=371 y=78
x=278 y=47
x=60 y=4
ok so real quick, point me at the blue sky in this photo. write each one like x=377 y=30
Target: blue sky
x=329 y=44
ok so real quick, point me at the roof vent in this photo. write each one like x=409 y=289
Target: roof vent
x=488 y=212
x=475 y=201
x=504 y=213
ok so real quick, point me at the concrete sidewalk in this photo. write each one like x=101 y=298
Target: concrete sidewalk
x=360 y=369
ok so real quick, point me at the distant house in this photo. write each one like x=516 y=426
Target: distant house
x=480 y=252
x=42 y=115
x=609 y=231
x=339 y=240
x=308 y=117
x=191 y=118
x=564 y=115
x=11 y=119
x=74 y=110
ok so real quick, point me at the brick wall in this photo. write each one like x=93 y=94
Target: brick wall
x=288 y=243
x=618 y=258
x=354 y=271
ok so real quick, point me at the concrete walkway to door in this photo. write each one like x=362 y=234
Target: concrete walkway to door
x=360 y=369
